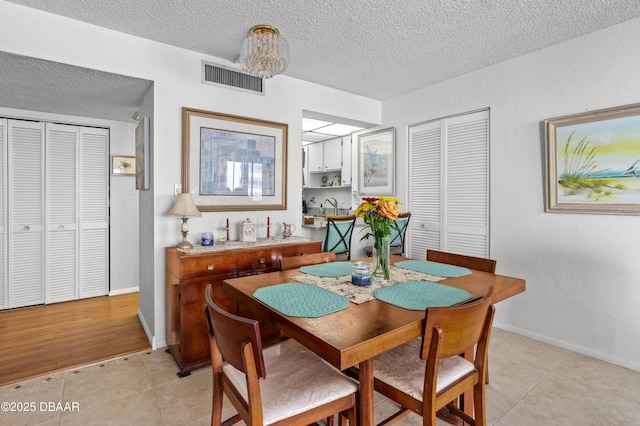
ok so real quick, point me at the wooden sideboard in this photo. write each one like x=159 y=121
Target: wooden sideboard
x=187 y=277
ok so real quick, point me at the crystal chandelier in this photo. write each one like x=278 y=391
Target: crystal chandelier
x=265 y=52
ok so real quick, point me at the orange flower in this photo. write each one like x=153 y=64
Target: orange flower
x=389 y=209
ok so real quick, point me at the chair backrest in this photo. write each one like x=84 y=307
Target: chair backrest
x=477 y=263
x=455 y=329
x=294 y=262
x=231 y=334
x=339 y=231
x=398 y=234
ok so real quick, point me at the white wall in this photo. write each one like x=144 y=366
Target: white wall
x=123 y=227
x=176 y=76
x=583 y=280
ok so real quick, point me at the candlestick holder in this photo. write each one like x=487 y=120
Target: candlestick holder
x=225 y=232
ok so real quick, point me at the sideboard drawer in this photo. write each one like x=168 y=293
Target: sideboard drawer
x=203 y=266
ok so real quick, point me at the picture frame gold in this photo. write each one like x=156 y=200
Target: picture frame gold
x=123 y=165
x=593 y=162
x=233 y=163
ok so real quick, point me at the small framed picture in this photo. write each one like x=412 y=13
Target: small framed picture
x=123 y=165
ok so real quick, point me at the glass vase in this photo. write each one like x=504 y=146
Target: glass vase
x=381 y=259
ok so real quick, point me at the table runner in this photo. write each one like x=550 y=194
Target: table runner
x=356 y=294
x=301 y=300
x=433 y=268
x=419 y=295
x=329 y=269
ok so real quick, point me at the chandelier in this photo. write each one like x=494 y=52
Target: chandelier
x=265 y=52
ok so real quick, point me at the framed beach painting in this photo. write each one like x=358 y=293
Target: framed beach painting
x=593 y=162
x=233 y=163
x=376 y=162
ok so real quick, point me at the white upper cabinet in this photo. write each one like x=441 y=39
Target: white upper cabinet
x=325 y=156
x=346 y=161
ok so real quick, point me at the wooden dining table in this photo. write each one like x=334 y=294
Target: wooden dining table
x=354 y=336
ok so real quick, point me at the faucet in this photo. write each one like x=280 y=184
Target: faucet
x=334 y=204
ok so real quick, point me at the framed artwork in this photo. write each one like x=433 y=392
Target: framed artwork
x=233 y=163
x=142 y=153
x=376 y=162
x=593 y=162
x=123 y=165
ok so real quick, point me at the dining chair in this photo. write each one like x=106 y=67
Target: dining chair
x=398 y=236
x=300 y=388
x=294 y=262
x=428 y=374
x=338 y=236
x=477 y=263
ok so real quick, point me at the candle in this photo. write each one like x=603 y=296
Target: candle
x=227 y=229
x=268 y=226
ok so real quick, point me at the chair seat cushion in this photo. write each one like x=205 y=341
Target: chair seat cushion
x=403 y=369
x=296 y=381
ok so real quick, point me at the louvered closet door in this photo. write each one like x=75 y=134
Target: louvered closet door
x=449 y=181
x=94 y=218
x=425 y=181
x=61 y=273
x=467 y=185
x=3 y=216
x=26 y=202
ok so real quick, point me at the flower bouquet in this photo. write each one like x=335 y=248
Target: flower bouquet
x=381 y=215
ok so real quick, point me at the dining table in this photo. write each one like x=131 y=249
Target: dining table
x=353 y=336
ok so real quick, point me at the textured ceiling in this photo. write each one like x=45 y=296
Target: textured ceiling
x=39 y=85
x=378 y=49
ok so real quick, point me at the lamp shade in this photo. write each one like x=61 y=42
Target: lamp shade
x=184 y=206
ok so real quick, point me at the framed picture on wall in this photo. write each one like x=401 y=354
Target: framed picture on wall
x=142 y=154
x=123 y=165
x=593 y=162
x=376 y=162
x=233 y=163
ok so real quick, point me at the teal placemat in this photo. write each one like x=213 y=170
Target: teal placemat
x=433 y=268
x=330 y=269
x=420 y=295
x=301 y=300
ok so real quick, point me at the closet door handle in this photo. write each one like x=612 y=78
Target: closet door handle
x=26 y=228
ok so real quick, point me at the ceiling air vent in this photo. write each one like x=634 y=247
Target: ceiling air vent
x=227 y=77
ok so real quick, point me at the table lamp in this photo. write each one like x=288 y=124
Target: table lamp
x=186 y=208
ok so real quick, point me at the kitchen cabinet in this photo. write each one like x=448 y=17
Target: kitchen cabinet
x=326 y=160
x=325 y=156
x=187 y=276
x=346 y=160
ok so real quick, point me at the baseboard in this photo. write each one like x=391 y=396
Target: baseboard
x=632 y=365
x=124 y=291
x=147 y=331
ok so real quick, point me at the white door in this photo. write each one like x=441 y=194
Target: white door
x=26 y=211
x=94 y=208
x=3 y=216
x=449 y=185
x=61 y=272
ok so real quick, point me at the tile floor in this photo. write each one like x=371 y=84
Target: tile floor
x=532 y=383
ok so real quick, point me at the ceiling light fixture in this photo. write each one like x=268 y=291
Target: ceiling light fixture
x=265 y=52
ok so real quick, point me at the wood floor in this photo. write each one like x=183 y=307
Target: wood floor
x=44 y=339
